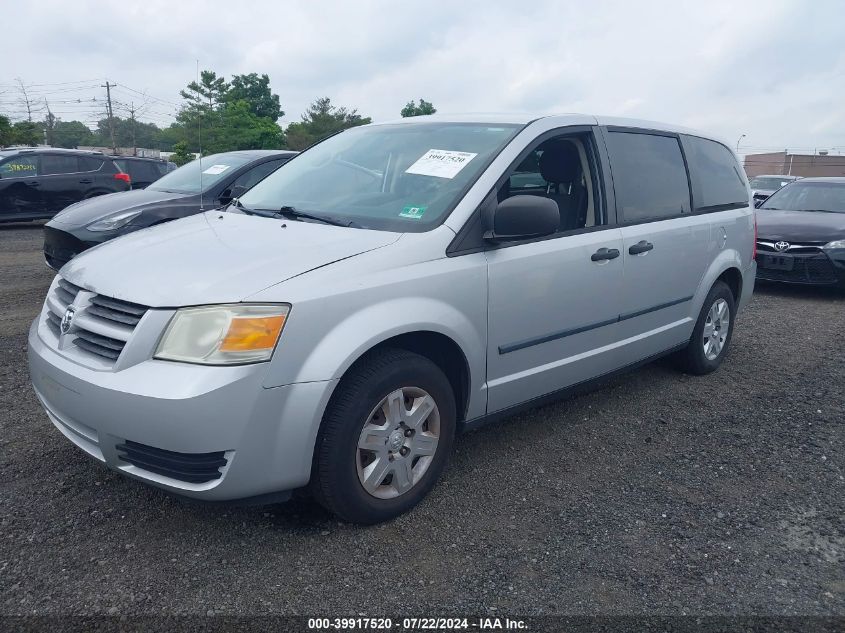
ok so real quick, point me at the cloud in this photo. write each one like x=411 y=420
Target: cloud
x=772 y=70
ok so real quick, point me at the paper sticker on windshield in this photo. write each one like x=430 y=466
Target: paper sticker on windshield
x=215 y=169
x=442 y=163
x=415 y=213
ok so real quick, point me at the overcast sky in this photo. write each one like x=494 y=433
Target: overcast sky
x=772 y=70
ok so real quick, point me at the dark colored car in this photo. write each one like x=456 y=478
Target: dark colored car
x=37 y=183
x=801 y=233
x=765 y=185
x=200 y=185
x=142 y=171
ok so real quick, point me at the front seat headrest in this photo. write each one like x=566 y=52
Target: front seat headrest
x=560 y=162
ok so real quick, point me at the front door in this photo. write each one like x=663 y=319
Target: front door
x=20 y=194
x=553 y=304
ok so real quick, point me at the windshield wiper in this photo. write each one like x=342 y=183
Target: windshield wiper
x=288 y=211
x=292 y=212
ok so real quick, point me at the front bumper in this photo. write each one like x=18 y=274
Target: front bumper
x=821 y=268
x=266 y=435
x=62 y=246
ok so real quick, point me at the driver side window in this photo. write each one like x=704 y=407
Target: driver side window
x=559 y=169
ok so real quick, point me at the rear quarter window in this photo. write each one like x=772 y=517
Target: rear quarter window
x=88 y=163
x=649 y=176
x=717 y=180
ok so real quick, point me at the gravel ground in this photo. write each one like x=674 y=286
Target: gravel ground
x=659 y=494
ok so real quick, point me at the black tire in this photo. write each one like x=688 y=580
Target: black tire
x=692 y=358
x=335 y=482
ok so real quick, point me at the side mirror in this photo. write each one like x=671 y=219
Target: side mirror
x=524 y=217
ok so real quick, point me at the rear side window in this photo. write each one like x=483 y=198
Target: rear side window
x=19 y=167
x=717 y=180
x=649 y=176
x=87 y=163
x=257 y=173
x=52 y=164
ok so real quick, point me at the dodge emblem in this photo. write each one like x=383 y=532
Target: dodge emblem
x=66 y=320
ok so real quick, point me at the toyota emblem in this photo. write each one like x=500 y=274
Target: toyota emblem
x=66 y=320
x=781 y=246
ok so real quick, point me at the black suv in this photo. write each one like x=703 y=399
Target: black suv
x=143 y=171
x=39 y=182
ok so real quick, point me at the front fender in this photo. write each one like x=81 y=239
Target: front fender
x=327 y=332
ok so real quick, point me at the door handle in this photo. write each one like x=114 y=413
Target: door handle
x=604 y=254
x=641 y=247
x=33 y=183
x=85 y=181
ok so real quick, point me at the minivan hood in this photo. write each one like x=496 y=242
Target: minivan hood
x=87 y=211
x=214 y=257
x=800 y=226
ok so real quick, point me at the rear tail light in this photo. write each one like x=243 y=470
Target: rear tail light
x=124 y=177
x=754 y=248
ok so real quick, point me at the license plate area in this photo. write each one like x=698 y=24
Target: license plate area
x=776 y=262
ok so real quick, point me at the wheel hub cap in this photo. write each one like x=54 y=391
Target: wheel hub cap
x=398 y=442
x=397 y=438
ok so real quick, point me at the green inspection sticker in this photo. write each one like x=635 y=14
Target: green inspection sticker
x=415 y=213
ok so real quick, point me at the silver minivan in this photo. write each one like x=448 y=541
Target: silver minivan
x=335 y=327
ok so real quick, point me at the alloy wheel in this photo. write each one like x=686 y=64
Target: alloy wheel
x=716 y=329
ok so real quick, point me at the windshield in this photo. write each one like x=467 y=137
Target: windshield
x=809 y=196
x=403 y=177
x=769 y=183
x=186 y=179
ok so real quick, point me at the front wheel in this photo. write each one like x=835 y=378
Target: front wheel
x=711 y=336
x=386 y=437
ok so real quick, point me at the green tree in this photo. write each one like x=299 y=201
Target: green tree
x=207 y=94
x=412 y=109
x=255 y=90
x=72 y=134
x=320 y=121
x=27 y=133
x=237 y=127
x=128 y=133
x=181 y=155
x=6 y=134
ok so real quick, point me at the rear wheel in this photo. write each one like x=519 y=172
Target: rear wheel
x=711 y=336
x=386 y=437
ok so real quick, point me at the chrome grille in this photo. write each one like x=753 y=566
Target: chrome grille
x=794 y=247
x=116 y=310
x=101 y=326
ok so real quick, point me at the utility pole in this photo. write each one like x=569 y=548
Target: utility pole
x=26 y=100
x=108 y=88
x=49 y=125
x=132 y=118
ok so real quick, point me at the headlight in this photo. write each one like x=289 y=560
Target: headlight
x=111 y=222
x=836 y=244
x=223 y=335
